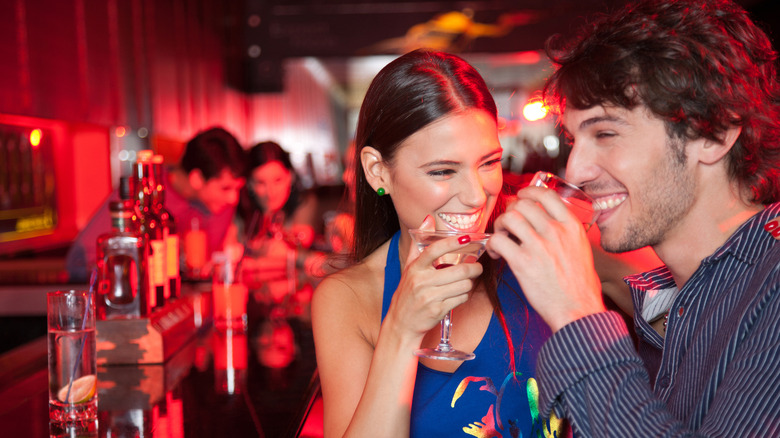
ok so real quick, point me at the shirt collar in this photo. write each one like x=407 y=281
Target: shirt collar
x=747 y=244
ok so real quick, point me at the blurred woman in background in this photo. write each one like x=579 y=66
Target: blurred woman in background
x=278 y=216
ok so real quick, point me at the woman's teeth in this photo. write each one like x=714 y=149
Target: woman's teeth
x=610 y=202
x=460 y=221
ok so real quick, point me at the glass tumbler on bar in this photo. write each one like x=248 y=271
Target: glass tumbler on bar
x=195 y=244
x=72 y=357
x=230 y=294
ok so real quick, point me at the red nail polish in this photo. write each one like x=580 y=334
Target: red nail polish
x=464 y=239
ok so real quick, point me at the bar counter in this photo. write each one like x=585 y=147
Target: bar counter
x=220 y=383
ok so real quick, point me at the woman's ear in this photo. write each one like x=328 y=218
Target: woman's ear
x=713 y=151
x=377 y=172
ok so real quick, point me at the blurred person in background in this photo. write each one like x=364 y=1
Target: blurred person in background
x=202 y=192
x=278 y=218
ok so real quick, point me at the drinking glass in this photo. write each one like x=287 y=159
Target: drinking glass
x=195 y=243
x=467 y=253
x=230 y=293
x=578 y=202
x=72 y=357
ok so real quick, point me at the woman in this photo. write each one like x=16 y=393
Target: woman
x=276 y=202
x=427 y=152
x=278 y=219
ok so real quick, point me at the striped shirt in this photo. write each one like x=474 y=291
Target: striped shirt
x=717 y=368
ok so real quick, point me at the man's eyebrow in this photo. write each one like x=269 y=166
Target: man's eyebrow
x=602 y=118
x=593 y=120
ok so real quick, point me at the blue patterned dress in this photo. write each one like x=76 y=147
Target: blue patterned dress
x=482 y=398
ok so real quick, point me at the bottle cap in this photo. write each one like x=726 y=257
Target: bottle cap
x=124 y=188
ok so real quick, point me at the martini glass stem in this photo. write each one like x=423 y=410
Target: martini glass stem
x=446 y=326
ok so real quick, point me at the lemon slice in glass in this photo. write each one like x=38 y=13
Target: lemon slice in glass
x=82 y=390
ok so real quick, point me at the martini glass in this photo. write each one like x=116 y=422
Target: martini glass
x=467 y=253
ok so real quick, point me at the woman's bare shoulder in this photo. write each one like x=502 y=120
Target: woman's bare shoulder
x=367 y=275
x=356 y=290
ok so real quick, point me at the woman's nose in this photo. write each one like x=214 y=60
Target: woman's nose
x=472 y=191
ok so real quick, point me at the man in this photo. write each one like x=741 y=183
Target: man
x=206 y=185
x=672 y=113
x=204 y=188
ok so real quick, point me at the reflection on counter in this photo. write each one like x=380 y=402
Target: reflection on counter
x=253 y=382
x=230 y=361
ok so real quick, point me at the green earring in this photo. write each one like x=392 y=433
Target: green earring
x=380 y=191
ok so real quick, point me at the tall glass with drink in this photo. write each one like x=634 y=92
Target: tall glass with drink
x=72 y=357
x=195 y=242
x=229 y=291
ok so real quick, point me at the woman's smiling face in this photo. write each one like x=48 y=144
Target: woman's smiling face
x=451 y=170
x=271 y=183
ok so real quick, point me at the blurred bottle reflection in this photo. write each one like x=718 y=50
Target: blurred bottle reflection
x=167 y=417
x=230 y=361
x=131 y=423
x=175 y=412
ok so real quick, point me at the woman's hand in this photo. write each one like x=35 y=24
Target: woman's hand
x=301 y=234
x=425 y=294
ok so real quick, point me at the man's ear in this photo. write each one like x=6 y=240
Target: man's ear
x=377 y=172
x=196 y=179
x=710 y=152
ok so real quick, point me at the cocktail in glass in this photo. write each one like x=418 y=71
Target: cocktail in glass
x=229 y=292
x=467 y=253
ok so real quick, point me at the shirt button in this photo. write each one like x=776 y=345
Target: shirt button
x=664 y=381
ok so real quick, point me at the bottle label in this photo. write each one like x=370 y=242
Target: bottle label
x=151 y=294
x=157 y=269
x=173 y=255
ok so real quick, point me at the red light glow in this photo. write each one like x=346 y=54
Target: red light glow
x=120 y=131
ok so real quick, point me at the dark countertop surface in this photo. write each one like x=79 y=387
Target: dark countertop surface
x=218 y=384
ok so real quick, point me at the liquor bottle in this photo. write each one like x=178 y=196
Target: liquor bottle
x=169 y=229
x=122 y=285
x=149 y=225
